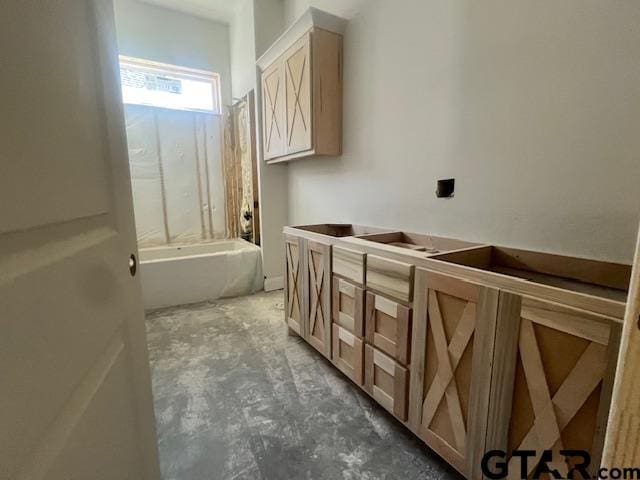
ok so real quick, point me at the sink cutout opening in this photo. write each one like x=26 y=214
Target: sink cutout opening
x=418 y=243
x=592 y=277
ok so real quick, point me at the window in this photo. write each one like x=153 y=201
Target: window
x=168 y=86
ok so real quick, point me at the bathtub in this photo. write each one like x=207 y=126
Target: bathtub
x=178 y=275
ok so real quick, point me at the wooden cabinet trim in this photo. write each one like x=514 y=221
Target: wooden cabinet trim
x=346 y=288
x=453 y=286
x=492 y=426
x=580 y=324
x=327 y=91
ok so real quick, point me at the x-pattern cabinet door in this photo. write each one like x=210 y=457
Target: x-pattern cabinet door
x=561 y=381
x=445 y=362
x=294 y=301
x=273 y=121
x=319 y=275
x=297 y=95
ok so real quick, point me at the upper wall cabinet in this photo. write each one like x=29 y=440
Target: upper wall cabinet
x=302 y=89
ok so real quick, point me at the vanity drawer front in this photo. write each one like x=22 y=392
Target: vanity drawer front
x=390 y=277
x=386 y=381
x=348 y=306
x=349 y=264
x=388 y=327
x=347 y=353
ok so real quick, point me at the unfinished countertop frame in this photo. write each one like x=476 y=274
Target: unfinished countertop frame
x=364 y=239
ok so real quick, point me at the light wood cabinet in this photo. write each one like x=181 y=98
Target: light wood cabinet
x=319 y=293
x=293 y=292
x=302 y=90
x=475 y=348
x=556 y=369
x=494 y=370
x=443 y=362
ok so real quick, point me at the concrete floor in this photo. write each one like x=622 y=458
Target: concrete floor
x=237 y=398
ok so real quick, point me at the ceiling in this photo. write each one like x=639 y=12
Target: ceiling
x=221 y=10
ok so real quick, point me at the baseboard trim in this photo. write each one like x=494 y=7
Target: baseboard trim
x=273 y=283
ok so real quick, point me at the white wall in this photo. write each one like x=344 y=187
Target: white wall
x=255 y=26
x=243 y=49
x=155 y=33
x=533 y=106
x=269 y=24
x=343 y=8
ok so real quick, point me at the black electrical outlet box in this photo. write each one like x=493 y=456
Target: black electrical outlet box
x=445 y=188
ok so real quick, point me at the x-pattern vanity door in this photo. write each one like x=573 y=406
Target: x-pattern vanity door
x=297 y=76
x=273 y=111
x=562 y=383
x=75 y=388
x=294 y=285
x=448 y=322
x=319 y=264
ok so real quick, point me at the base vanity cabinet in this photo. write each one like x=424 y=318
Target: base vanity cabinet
x=549 y=327
x=474 y=348
x=307 y=291
x=309 y=256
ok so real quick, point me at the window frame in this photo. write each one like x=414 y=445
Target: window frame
x=179 y=72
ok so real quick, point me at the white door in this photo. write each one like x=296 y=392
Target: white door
x=75 y=394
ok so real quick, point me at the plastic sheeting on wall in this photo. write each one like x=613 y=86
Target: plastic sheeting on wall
x=176 y=174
